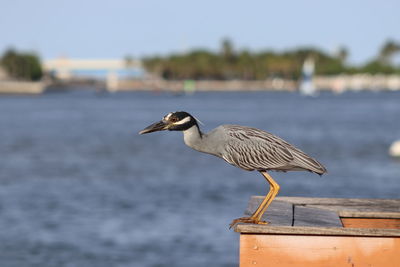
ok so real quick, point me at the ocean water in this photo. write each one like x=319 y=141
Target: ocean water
x=80 y=187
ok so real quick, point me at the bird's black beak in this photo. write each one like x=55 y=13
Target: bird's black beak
x=158 y=126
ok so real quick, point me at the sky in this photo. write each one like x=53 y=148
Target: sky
x=117 y=28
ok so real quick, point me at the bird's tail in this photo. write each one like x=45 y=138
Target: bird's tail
x=306 y=162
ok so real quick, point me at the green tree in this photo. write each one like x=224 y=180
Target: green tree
x=376 y=66
x=227 y=49
x=342 y=54
x=228 y=64
x=387 y=51
x=22 y=66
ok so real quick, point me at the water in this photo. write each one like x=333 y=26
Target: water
x=80 y=187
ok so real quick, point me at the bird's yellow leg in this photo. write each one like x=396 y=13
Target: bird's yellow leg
x=256 y=216
x=267 y=201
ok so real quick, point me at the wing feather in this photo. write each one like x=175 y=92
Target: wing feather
x=253 y=149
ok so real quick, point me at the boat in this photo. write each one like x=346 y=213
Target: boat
x=394 y=149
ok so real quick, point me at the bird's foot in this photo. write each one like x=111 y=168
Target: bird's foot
x=246 y=220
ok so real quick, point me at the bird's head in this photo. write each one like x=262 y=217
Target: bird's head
x=173 y=121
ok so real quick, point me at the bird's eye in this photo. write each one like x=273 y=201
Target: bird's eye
x=174 y=119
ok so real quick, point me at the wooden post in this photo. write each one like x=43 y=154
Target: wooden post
x=323 y=232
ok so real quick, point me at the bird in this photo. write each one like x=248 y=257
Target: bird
x=248 y=148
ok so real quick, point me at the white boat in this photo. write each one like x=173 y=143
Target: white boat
x=307 y=86
x=394 y=149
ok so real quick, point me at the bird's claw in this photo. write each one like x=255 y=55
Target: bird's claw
x=246 y=220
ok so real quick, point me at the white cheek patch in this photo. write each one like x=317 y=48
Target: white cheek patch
x=185 y=120
x=168 y=116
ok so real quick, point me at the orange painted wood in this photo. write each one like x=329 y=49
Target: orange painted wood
x=316 y=251
x=371 y=223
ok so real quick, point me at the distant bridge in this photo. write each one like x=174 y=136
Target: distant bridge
x=110 y=70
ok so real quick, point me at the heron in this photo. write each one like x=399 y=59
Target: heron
x=248 y=148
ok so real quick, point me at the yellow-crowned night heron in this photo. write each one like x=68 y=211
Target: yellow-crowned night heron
x=244 y=147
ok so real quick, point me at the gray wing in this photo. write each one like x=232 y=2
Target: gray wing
x=254 y=149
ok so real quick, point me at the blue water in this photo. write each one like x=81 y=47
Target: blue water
x=80 y=187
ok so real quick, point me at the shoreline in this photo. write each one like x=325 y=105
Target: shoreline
x=335 y=84
x=22 y=87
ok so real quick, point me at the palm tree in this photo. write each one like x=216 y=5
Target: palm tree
x=387 y=52
x=342 y=54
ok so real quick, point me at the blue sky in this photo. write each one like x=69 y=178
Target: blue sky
x=113 y=29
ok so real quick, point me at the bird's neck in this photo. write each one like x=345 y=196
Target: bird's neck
x=193 y=138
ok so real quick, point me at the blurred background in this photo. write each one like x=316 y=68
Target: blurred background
x=79 y=79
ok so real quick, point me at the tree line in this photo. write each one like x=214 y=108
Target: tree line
x=22 y=66
x=247 y=65
x=229 y=63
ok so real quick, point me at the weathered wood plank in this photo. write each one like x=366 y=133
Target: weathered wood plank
x=364 y=214
x=278 y=213
x=360 y=209
x=364 y=208
x=306 y=216
x=297 y=230
x=324 y=232
x=387 y=205
x=321 y=216
x=281 y=213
